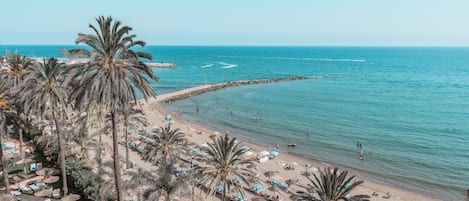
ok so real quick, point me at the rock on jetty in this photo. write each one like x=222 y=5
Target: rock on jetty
x=185 y=93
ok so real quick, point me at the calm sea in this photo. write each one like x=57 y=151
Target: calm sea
x=408 y=106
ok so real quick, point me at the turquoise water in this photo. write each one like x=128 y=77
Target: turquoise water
x=409 y=106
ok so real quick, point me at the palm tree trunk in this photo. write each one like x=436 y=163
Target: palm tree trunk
x=61 y=153
x=20 y=133
x=117 y=169
x=4 y=164
x=100 y=141
x=127 y=142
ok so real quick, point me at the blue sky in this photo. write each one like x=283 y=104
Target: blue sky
x=246 y=22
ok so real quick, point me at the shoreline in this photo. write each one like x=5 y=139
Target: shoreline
x=157 y=107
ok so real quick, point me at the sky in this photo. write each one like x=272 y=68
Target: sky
x=245 y=22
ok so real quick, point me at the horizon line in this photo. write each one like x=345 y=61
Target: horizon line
x=221 y=45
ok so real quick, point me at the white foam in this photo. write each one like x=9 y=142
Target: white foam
x=206 y=66
x=304 y=59
x=230 y=66
x=227 y=65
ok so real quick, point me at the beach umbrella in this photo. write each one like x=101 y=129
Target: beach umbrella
x=290 y=182
x=264 y=153
x=71 y=197
x=43 y=193
x=24 y=161
x=7 y=198
x=51 y=180
x=51 y=171
x=274 y=153
x=16 y=179
x=41 y=172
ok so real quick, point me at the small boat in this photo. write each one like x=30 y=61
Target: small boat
x=290 y=145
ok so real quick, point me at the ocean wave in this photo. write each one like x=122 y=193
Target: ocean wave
x=227 y=65
x=303 y=58
x=206 y=66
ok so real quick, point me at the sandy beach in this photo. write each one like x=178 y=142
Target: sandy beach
x=155 y=111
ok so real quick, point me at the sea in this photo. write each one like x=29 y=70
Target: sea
x=408 y=106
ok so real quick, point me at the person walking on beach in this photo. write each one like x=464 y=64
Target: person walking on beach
x=277 y=146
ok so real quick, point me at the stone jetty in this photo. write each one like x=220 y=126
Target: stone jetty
x=185 y=93
x=161 y=65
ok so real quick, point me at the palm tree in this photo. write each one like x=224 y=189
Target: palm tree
x=167 y=146
x=225 y=162
x=112 y=75
x=165 y=184
x=4 y=107
x=331 y=186
x=17 y=66
x=43 y=93
x=11 y=79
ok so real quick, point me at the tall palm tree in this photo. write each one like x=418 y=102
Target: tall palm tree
x=165 y=184
x=4 y=107
x=43 y=93
x=17 y=66
x=11 y=79
x=167 y=145
x=225 y=162
x=112 y=75
x=331 y=186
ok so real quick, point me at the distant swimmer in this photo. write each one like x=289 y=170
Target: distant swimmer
x=291 y=145
x=197 y=109
x=361 y=155
x=308 y=133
